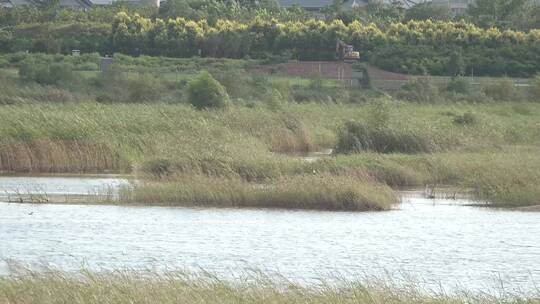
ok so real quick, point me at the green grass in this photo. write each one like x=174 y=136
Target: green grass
x=178 y=287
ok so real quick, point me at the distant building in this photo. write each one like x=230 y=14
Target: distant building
x=5 y=4
x=458 y=7
x=317 y=5
x=72 y=4
x=77 y=4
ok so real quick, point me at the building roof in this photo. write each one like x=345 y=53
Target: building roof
x=66 y=3
x=20 y=2
x=101 y=2
x=318 y=4
x=5 y=3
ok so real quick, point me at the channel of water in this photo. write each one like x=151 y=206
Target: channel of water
x=438 y=243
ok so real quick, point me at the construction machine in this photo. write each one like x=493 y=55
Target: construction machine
x=346 y=52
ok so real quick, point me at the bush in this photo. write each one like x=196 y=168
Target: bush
x=61 y=73
x=53 y=74
x=419 y=90
x=535 y=88
x=3 y=62
x=467 y=118
x=87 y=66
x=357 y=137
x=459 y=85
x=205 y=92
x=503 y=90
x=236 y=82
x=144 y=89
x=379 y=113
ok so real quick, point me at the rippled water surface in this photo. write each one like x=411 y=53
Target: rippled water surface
x=433 y=241
x=58 y=185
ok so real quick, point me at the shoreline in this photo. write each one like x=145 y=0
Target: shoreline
x=114 y=200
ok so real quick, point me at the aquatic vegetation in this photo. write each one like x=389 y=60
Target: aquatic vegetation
x=321 y=192
x=359 y=137
x=506 y=178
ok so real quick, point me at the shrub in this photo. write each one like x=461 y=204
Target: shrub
x=379 y=113
x=522 y=109
x=236 y=82
x=467 y=118
x=316 y=83
x=206 y=92
x=111 y=86
x=87 y=66
x=419 y=90
x=274 y=100
x=502 y=90
x=55 y=73
x=61 y=73
x=535 y=88
x=3 y=62
x=459 y=85
x=145 y=88
x=357 y=137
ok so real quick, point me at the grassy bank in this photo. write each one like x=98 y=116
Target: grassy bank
x=495 y=156
x=138 y=133
x=59 y=115
x=132 y=287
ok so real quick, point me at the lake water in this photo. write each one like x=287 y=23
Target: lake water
x=433 y=242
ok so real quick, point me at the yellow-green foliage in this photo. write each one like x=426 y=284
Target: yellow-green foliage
x=315 y=40
x=228 y=38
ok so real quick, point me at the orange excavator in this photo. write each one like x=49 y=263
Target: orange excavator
x=346 y=52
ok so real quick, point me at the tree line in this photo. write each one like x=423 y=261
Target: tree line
x=250 y=30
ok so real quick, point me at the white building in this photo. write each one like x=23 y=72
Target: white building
x=77 y=4
x=458 y=7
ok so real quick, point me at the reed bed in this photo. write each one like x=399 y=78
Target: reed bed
x=46 y=156
x=339 y=193
x=495 y=155
x=507 y=177
x=129 y=286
